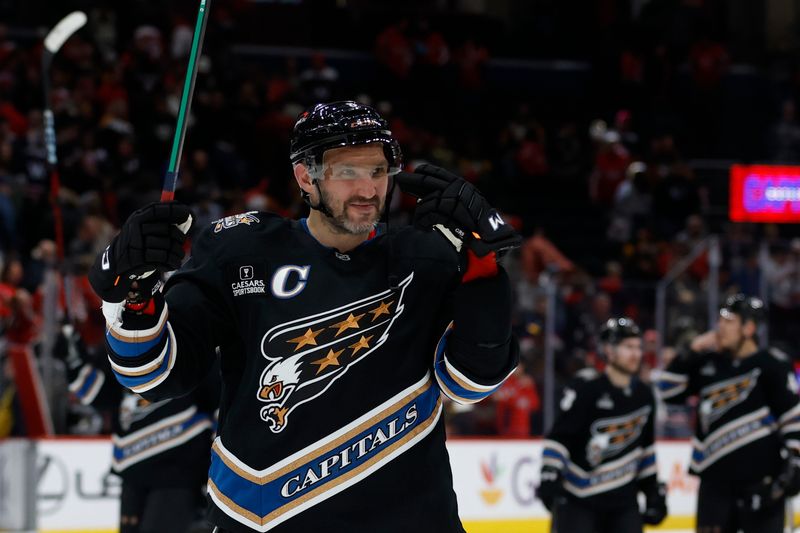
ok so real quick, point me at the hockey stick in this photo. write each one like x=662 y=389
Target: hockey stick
x=38 y=413
x=52 y=44
x=171 y=177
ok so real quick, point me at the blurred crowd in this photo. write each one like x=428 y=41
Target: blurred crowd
x=605 y=189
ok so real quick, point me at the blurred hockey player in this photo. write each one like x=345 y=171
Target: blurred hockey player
x=600 y=453
x=161 y=449
x=747 y=437
x=336 y=337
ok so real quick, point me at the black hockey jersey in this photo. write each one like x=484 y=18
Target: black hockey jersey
x=747 y=410
x=330 y=417
x=603 y=441
x=155 y=444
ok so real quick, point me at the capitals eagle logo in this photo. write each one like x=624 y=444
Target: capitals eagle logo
x=306 y=356
x=612 y=435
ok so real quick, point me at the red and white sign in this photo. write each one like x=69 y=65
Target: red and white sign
x=764 y=193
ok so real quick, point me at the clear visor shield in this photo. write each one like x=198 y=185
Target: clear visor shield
x=350 y=171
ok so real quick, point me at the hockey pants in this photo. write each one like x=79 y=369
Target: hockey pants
x=571 y=516
x=157 y=510
x=717 y=511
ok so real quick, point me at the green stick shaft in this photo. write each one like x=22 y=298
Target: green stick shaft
x=171 y=179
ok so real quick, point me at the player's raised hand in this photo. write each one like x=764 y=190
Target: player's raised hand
x=150 y=242
x=454 y=207
x=706 y=342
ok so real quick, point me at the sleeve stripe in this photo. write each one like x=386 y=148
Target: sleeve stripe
x=462 y=399
x=144 y=383
x=555 y=463
x=663 y=375
x=789 y=428
x=91 y=394
x=555 y=446
x=88 y=384
x=143 y=335
x=465 y=382
x=791 y=413
x=450 y=386
x=80 y=381
x=144 y=369
x=669 y=393
x=460 y=378
x=132 y=348
x=647 y=460
x=649 y=471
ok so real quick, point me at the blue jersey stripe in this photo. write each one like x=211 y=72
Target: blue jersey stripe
x=440 y=367
x=133 y=349
x=135 y=381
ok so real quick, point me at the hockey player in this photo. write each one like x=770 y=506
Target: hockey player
x=747 y=437
x=161 y=450
x=336 y=338
x=600 y=452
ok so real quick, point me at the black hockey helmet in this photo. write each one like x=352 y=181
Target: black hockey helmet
x=338 y=124
x=746 y=307
x=615 y=330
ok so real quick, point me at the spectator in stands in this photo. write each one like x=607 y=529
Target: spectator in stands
x=393 y=50
x=540 y=255
x=610 y=164
x=632 y=204
x=16 y=305
x=318 y=81
x=471 y=59
x=516 y=402
x=783 y=276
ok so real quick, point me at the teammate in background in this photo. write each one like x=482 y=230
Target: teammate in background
x=747 y=437
x=161 y=450
x=336 y=337
x=600 y=452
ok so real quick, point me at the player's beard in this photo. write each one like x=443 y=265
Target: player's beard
x=341 y=223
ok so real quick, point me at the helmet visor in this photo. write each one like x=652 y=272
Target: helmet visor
x=348 y=171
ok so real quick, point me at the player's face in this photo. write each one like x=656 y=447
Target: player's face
x=627 y=355
x=730 y=331
x=354 y=184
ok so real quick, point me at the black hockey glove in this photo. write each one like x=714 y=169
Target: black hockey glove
x=655 y=510
x=70 y=348
x=789 y=478
x=549 y=487
x=773 y=490
x=150 y=242
x=455 y=208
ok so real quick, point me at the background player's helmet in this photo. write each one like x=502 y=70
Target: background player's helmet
x=338 y=124
x=746 y=307
x=615 y=330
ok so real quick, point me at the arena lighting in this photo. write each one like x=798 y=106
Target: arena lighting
x=765 y=193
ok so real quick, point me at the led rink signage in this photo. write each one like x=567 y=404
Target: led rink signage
x=764 y=193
